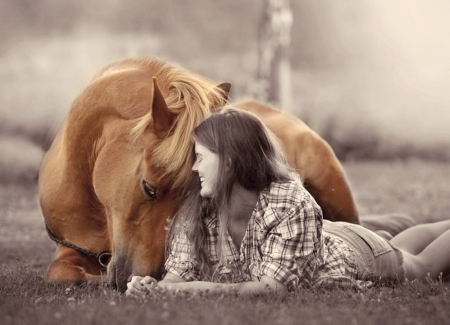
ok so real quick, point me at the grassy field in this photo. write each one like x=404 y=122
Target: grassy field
x=420 y=189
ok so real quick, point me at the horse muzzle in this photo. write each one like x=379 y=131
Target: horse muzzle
x=119 y=273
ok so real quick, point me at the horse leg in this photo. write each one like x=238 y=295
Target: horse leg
x=387 y=225
x=433 y=259
x=69 y=266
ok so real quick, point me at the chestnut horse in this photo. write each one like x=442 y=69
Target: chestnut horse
x=119 y=167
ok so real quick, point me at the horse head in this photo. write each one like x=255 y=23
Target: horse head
x=137 y=194
x=126 y=144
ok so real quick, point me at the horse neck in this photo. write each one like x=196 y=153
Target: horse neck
x=66 y=191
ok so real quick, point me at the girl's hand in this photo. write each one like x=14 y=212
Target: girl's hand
x=140 y=286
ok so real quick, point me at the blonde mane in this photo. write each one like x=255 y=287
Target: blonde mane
x=190 y=98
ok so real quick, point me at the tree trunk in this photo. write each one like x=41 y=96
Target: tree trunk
x=274 y=83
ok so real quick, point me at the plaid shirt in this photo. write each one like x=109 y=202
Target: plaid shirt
x=283 y=240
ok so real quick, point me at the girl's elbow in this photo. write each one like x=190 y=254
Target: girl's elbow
x=280 y=289
x=273 y=285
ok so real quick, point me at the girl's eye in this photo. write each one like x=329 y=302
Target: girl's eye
x=149 y=190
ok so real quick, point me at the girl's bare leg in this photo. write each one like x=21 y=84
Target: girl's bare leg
x=433 y=259
x=414 y=240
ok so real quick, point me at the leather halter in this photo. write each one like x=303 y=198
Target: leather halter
x=102 y=258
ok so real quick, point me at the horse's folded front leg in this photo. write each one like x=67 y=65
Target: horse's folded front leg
x=387 y=225
x=71 y=267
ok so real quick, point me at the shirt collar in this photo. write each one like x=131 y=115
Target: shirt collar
x=211 y=221
x=261 y=204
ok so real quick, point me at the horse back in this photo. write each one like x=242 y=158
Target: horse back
x=313 y=158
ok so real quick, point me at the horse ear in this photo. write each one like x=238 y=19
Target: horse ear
x=225 y=87
x=162 y=118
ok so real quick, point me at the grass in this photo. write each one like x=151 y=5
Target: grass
x=414 y=187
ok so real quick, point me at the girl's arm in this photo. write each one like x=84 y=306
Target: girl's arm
x=141 y=286
x=265 y=285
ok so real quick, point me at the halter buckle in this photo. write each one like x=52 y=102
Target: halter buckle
x=104 y=258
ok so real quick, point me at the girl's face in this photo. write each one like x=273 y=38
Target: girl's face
x=207 y=166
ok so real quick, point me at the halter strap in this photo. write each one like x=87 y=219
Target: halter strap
x=102 y=258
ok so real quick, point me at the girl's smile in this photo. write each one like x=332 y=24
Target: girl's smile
x=207 y=166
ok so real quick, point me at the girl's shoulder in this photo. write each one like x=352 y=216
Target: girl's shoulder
x=286 y=194
x=282 y=201
x=286 y=191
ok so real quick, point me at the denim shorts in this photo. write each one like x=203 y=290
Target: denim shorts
x=376 y=259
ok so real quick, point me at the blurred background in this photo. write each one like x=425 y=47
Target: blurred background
x=371 y=77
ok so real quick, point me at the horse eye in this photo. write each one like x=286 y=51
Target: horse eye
x=149 y=190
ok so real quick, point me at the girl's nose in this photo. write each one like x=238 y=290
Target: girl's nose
x=195 y=166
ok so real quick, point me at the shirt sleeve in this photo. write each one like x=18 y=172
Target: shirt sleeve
x=343 y=282
x=181 y=261
x=292 y=247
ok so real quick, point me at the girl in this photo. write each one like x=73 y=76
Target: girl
x=249 y=226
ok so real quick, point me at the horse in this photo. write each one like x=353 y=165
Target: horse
x=120 y=165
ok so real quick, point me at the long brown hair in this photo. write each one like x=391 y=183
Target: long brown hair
x=256 y=161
